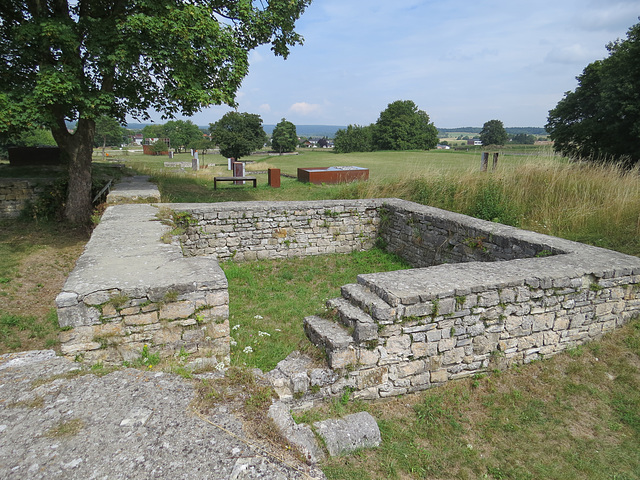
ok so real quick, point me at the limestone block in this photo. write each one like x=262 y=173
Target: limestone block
x=341 y=358
x=453 y=356
x=167 y=336
x=371 y=377
x=141 y=319
x=543 y=321
x=195 y=335
x=74 y=348
x=175 y=310
x=218 y=330
x=130 y=310
x=367 y=357
x=398 y=345
x=411 y=368
x=439 y=376
x=488 y=299
x=446 y=344
x=78 y=315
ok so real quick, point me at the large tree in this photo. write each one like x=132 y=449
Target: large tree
x=600 y=120
x=181 y=133
x=75 y=60
x=493 y=133
x=238 y=134
x=284 y=137
x=401 y=126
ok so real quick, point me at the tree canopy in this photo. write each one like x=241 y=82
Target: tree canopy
x=181 y=134
x=284 y=137
x=600 y=120
x=238 y=134
x=401 y=126
x=493 y=133
x=355 y=138
x=75 y=60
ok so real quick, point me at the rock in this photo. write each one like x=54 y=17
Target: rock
x=343 y=436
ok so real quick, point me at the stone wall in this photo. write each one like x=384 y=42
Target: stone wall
x=259 y=230
x=482 y=295
x=426 y=236
x=131 y=295
x=15 y=194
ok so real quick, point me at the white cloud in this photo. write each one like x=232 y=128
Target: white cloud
x=305 y=109
x=265 y=108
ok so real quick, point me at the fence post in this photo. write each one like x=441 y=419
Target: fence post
x=485 y=162
x=495 y=161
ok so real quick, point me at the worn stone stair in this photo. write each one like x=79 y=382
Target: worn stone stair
x=360 y=313
x=369 y=302
x=333 y=338
x=363 y=326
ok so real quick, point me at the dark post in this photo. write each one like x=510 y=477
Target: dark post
x=274 y=177
x=495 y=161
x=485 y=162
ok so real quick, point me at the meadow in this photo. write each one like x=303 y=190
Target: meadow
x=574 y=416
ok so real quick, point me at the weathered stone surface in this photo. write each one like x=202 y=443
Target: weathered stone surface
x=343 y=436
x=132 y=424
x=299 y=435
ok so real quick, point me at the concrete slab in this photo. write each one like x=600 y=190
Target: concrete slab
x=136 y=189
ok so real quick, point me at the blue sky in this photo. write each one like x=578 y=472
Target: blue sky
x=463 y=62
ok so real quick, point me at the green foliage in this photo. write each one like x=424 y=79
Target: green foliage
x=355 y=138
x=492 y=204
x=108 y=132
x=523 y=139
x=181 y=134
x=493 y=133
x=238 y=134
x=71 y=60
x=401 y=126
x=284 y=137
x=600 y=120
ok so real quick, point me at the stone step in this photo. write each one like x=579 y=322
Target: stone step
x=364 y=327
x=333 y=338
x=370 y=303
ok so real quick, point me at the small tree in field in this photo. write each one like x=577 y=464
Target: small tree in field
x=284 y=137
x=401 y=126
x=238 y=134
x=493 y=133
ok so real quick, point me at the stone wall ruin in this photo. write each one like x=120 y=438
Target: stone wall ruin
x=481 y=295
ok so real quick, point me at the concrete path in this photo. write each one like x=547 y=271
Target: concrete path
x=136 y=189
x=129 y=424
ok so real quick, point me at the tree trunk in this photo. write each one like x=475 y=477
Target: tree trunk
x=77 y=150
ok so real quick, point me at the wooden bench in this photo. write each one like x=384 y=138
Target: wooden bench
x=233 y=179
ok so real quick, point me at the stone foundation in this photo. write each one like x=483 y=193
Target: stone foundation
x=482 y=295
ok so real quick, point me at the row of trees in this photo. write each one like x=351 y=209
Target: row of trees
x=401 y=126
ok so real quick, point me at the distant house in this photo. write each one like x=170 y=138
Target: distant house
x=474 y=142
x=136 y=139
x=443 y=147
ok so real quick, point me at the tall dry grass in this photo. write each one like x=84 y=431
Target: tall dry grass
x=593 y=203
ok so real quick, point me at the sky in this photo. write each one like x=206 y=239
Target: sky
x=463 y=62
